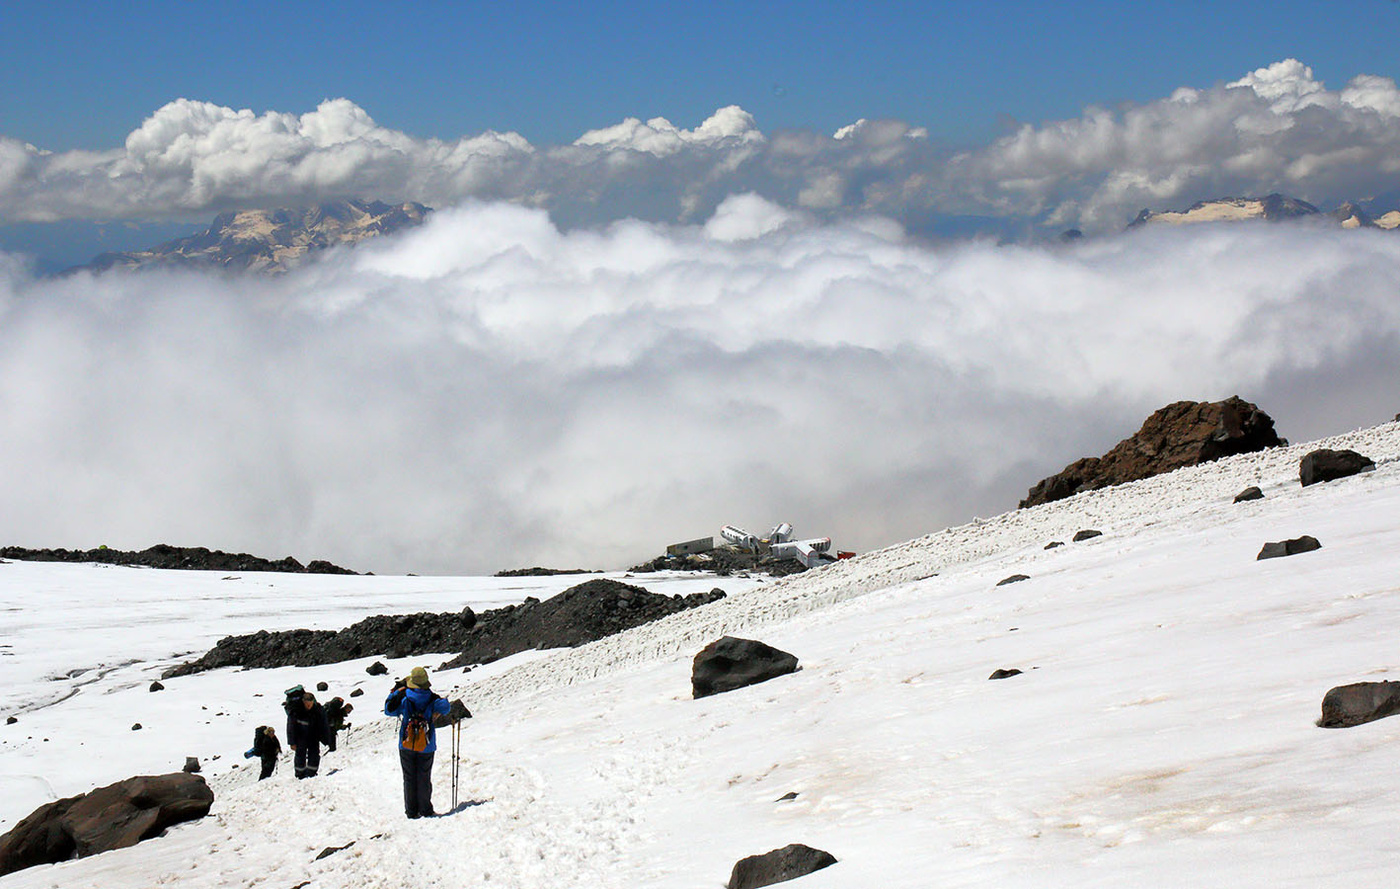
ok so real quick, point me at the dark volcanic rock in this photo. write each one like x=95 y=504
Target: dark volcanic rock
x=1182 y=434
x=778 y=866
x=1250 y=493
x=457 y=712
x=1015 y=578
x=1086 y=534
x=1304 y=544
x=724 y=561
x=1348 y=705
x=190 y=558
x=1325 y=465
x=729 y=663
x=111 y=817
x=580 y=614
x=156 y=686
x=357 y=693
x=191 y=764
x=1004 y=674
x=543 y=572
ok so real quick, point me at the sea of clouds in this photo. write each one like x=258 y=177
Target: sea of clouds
x=493 y=390
x=1275 y=129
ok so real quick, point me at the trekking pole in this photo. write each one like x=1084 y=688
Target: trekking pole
x=456 y=743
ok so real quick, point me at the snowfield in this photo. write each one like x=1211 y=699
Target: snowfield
x=1161 y=733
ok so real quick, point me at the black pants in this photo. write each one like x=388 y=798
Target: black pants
x=308 y=760
x=268 y=764
x=417 y=783
x=330 y=740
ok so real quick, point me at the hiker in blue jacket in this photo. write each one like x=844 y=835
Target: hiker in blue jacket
x=414 y=703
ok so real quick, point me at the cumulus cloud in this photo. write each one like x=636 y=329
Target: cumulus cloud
x=1275 y=129
x=493 y=391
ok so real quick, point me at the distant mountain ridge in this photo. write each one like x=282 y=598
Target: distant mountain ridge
x=270 y=241
x=1271 y=208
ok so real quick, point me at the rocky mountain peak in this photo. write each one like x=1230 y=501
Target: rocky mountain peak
x=271 y=241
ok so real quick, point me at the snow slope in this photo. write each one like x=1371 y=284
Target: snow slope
x=1161 y=735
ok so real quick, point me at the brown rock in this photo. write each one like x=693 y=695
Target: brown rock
x=1182 y=434
x=110 y=817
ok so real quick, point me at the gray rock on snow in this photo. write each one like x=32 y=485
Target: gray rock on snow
x=778 y=866
x=156 y=686
x=377 y=669
x=1250 y=493
x=1015 y=578
x=191 y=765
x=729 y=663
x=1360 y=702
x=1086 y=534
x=1326 y=465
x=1304 y=544
x=1004 y=673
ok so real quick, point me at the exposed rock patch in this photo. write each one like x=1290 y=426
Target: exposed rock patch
x=110 y=817
x=1181 y=434
x=1004 y=673
x=1250 y=493
x=778 y=866
x=188 y=558
x=580 y=614
x=1015 y=578
x=1348 y=705
x=543 y=572
x=724 y=561
x=1304 y=544
x=1324 y=465
x=729 y=663
x=1086 y=534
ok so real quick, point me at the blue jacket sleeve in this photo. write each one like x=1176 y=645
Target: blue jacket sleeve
x=393 y=705
x=442 y=705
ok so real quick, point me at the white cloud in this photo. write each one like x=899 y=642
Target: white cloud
x=489 y=391
x=1278 y=128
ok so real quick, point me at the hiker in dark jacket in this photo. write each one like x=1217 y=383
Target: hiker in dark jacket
x=336 y=711
x=306 y=730
x=412 y=700
x=267 y=748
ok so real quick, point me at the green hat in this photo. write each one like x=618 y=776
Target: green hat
x=418 y=678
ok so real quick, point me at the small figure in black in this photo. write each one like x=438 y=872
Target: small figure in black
x=306 y=730
x=267 y=748
x=336 y=711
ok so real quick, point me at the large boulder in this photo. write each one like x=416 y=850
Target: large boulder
x=1348 y=705
x=110 y=817
x=1182 y=434
x=729 y=663
x=1324 y=465
x=778 y=866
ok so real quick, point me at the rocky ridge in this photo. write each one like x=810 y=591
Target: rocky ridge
x=1184 y=433
x=185 y=558
x=580 y=614
x=1271 y=208
x=270 y=241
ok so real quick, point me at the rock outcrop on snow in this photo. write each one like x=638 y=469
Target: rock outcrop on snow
x=1304 y=544
x=729 y=663
x=1184 y=433
x=1325 y=465
x=186 y=558
x=110 y=817
x=580 y=614
x=1250 y=493
x=778 y=866
x=1348 y=705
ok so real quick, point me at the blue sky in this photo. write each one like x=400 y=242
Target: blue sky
x=83 y=75
x=1014 y=119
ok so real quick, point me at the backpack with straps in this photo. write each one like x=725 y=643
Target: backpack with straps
x=417 y=729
